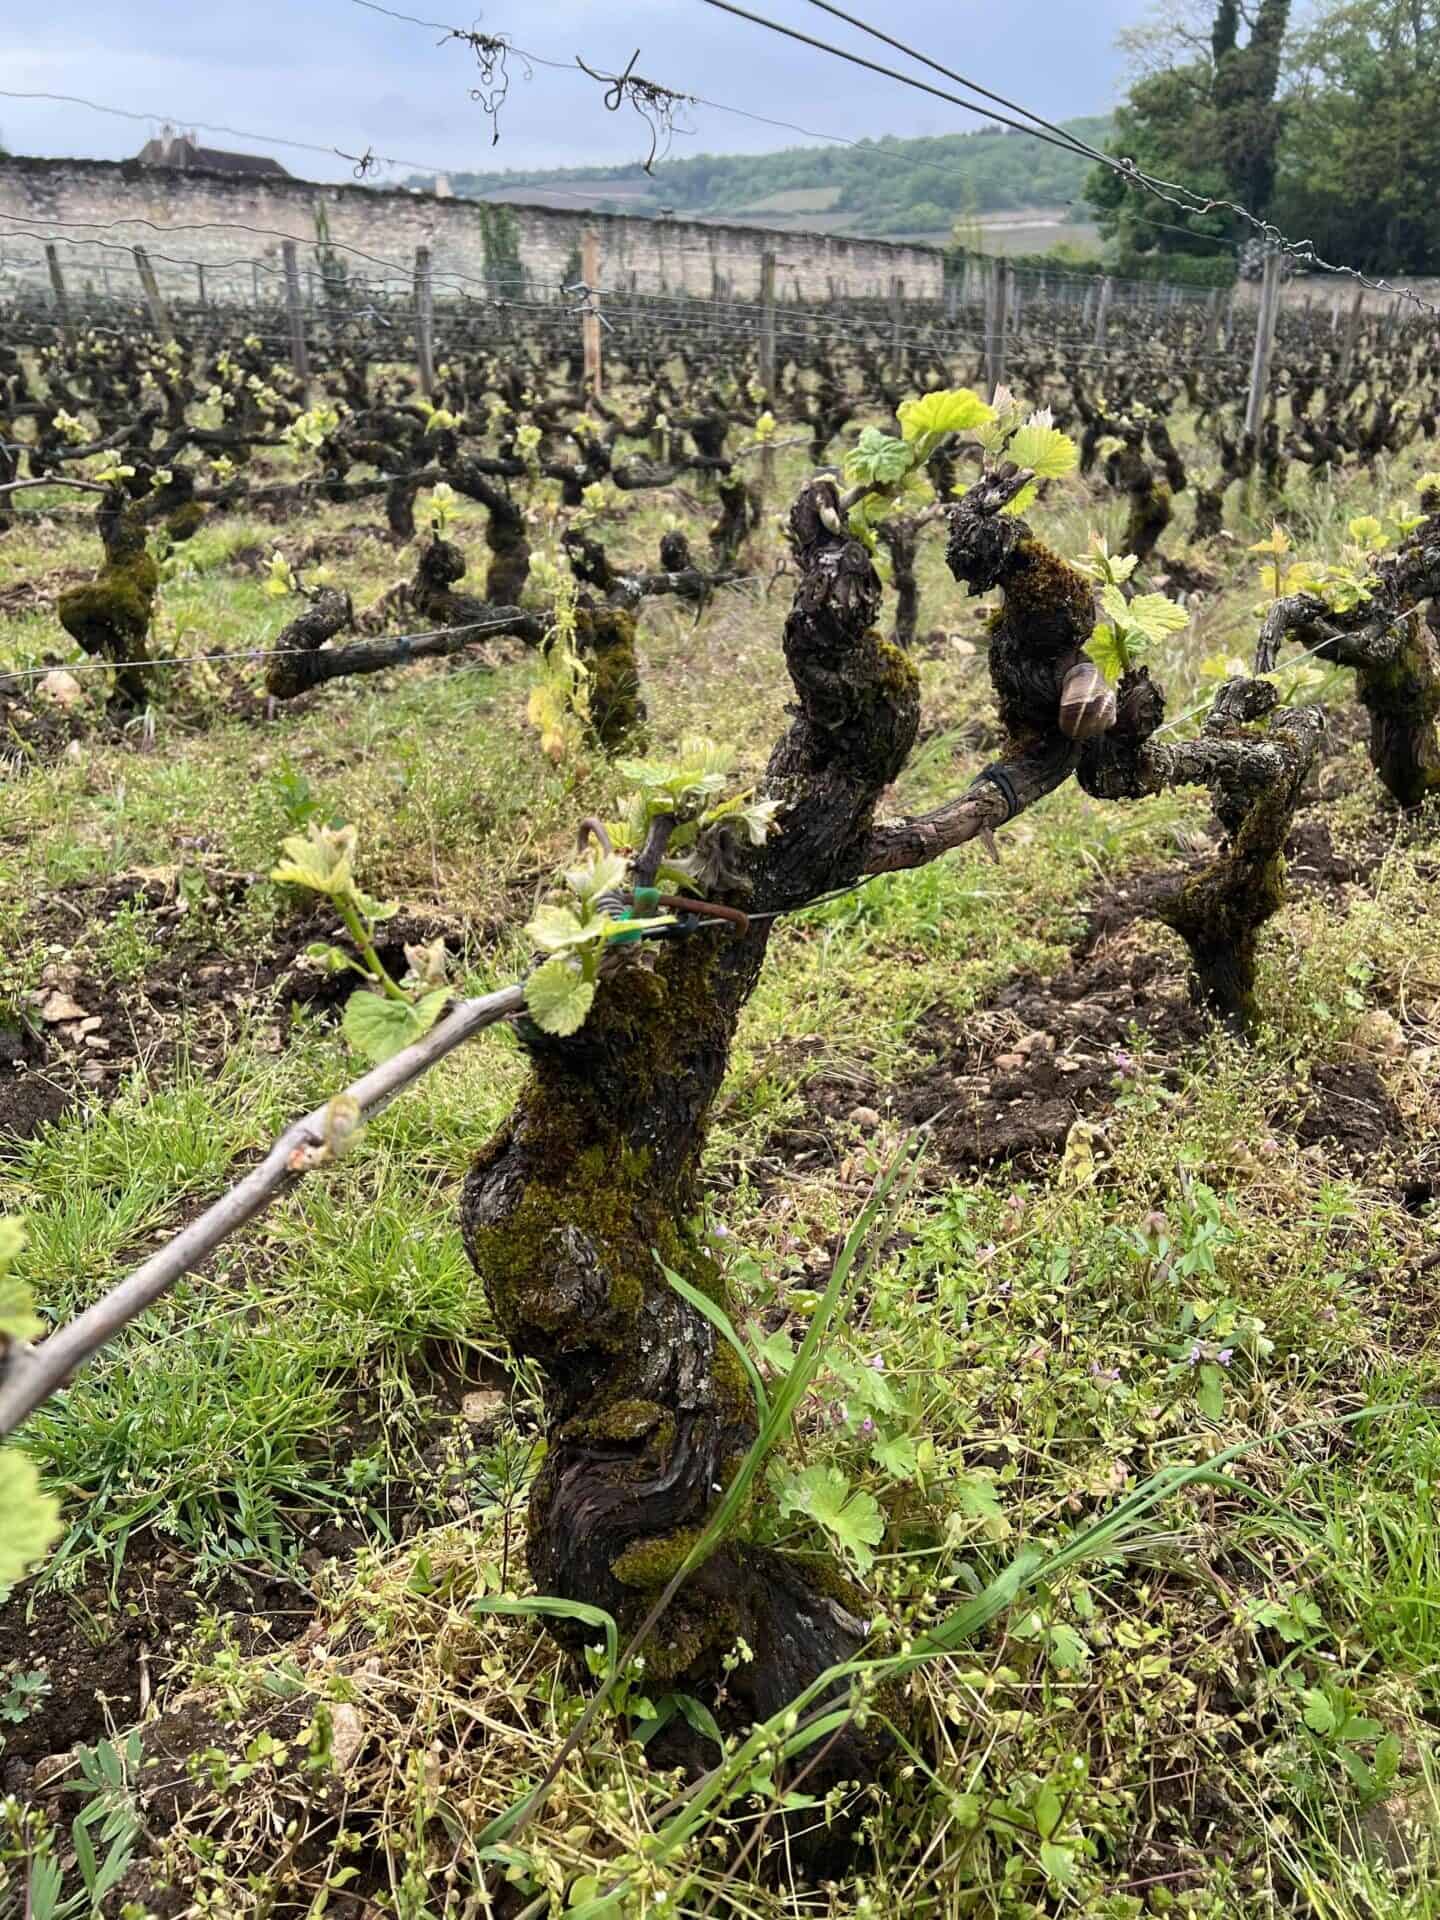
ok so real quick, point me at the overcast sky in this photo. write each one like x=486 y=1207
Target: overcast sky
x=332 y=73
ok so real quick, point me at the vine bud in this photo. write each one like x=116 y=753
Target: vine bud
x=1087 y=703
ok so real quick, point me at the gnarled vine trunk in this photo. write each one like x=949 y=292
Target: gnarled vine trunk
x=596 y=1174
x=1390 y=641
x=110 y=618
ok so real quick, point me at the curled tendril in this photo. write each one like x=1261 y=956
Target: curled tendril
x=657 y=106
x=362 y=163
x=492 y=56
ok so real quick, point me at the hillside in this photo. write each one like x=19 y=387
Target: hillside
x=889 y=186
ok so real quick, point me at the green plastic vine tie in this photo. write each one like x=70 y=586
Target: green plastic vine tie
x=643 y=902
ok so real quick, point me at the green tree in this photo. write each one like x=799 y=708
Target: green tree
x=1360 y=160
x=1202 y=112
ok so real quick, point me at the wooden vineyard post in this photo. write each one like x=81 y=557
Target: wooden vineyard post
x=299 y=358
x=1102 y=311
x=57 y=287
x=767 y=360
x=997 y=316
x=1352 y=336
x=1212 y=321
x=590 y=322
x=424 y=322
x=1264 y=345
x=767 y=325
x=158 y=312
x=897 y=328
x=200 y=283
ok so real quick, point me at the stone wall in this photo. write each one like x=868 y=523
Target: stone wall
x=98 y=210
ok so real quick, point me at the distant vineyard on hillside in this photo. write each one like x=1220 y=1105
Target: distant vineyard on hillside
x=887 y=186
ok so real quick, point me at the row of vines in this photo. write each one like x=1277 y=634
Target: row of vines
x=586 y=1216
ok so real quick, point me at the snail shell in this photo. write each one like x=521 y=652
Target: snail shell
x=1087 y=703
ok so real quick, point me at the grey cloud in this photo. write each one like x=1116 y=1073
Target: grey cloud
x=331 y=73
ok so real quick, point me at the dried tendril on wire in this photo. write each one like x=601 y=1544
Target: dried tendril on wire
x=492 y=55
x=362 y=163
x=657 y=106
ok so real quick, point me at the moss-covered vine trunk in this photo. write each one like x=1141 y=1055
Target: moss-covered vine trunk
x=110 y=618
x=595 y=1179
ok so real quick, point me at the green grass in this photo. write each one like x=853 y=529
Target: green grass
x=1034 y=1336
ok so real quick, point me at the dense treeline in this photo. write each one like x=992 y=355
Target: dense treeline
x=1318 y=119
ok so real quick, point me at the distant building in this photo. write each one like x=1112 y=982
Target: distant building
x=184 y=153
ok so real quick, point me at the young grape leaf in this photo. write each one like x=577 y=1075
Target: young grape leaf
x=558 y=997
x=1048 y=453
x=1106 y=649
x=18 y=1318
x=1156 y=617
x=1279 y=541
x=556 y=929
x=956 y=410
x=12 y=1241
x=330 y=959
x=604 y=873
x=29 y=1519
x=1115 y=604
x=318 y=860
x=878 y=459
x=379 y=1027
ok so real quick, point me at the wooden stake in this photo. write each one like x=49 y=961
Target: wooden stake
x=57 y=287
x=767 y=325
x=1212 y=321
x=767 y=361
x=299 y=357
x=158 y=312
x=424 y=322
x=590 y=324
x=997 y=317
x=1264 y=346
x=1102 y=310
x=1351 y=341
